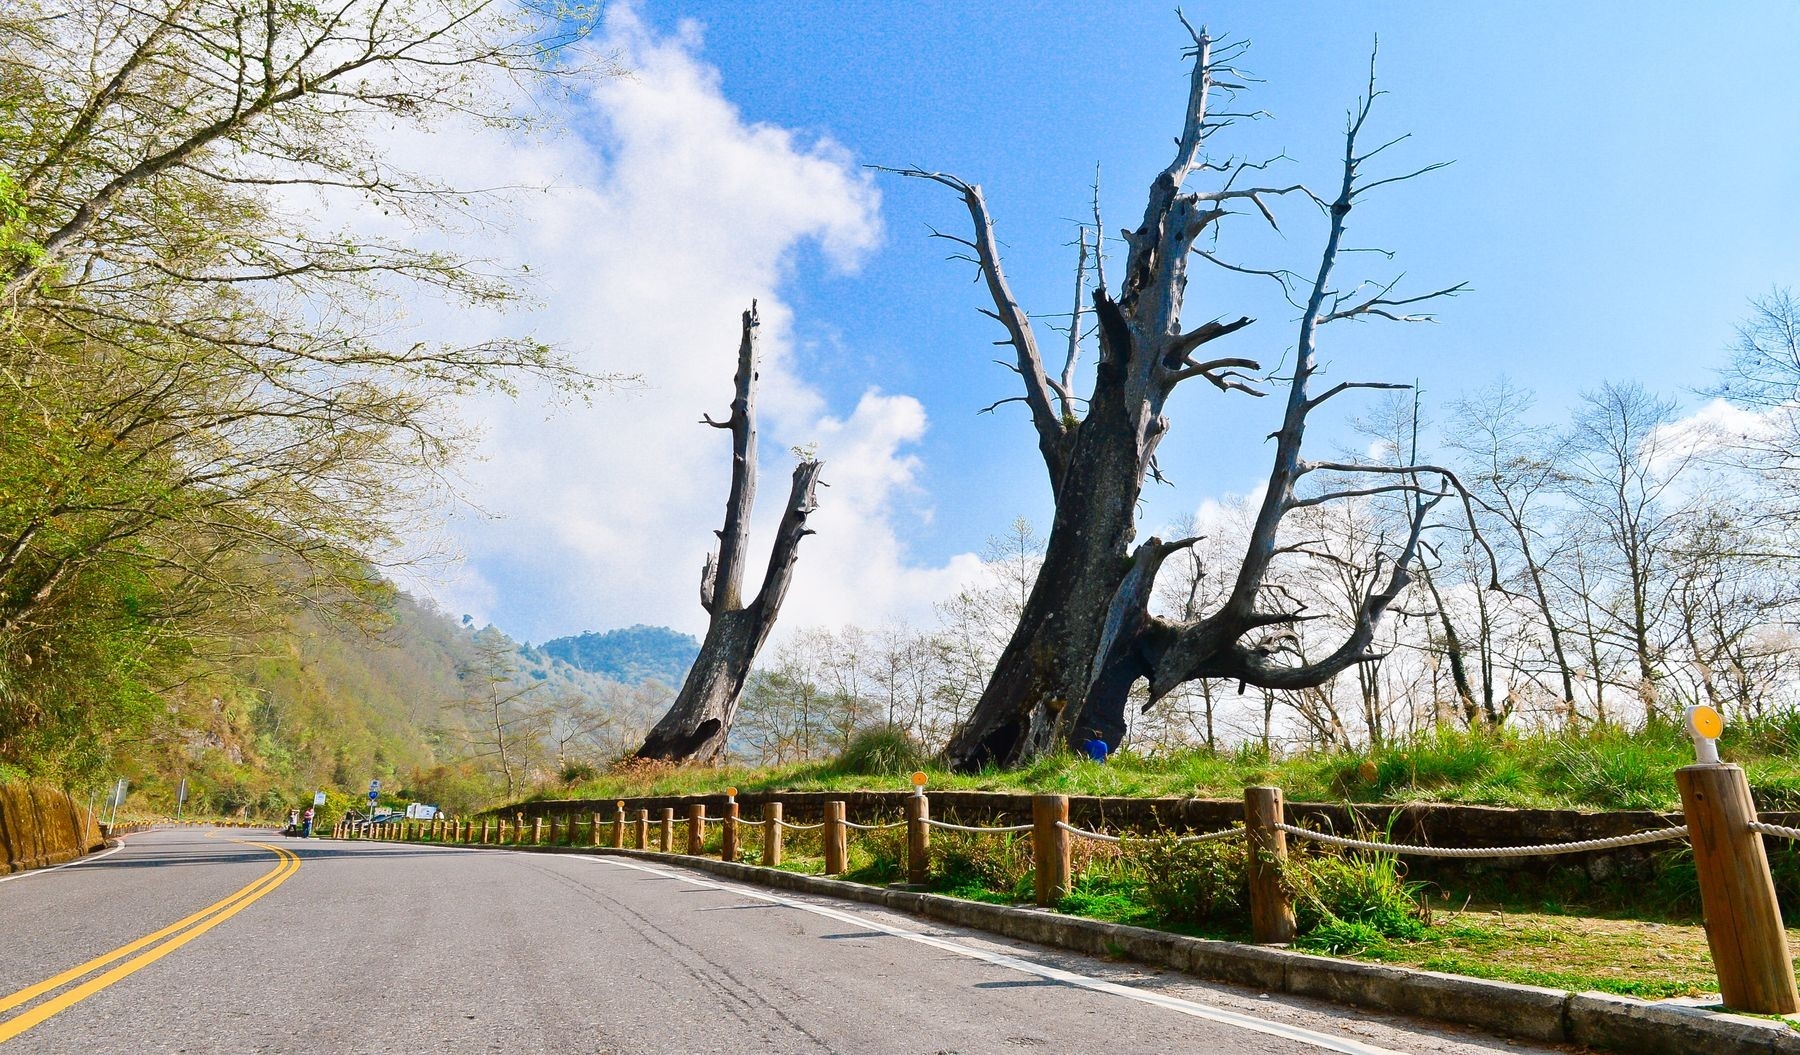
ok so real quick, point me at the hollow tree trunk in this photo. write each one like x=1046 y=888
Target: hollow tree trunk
x=1047 y=664
x=698 y=724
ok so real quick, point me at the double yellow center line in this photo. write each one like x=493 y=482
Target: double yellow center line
x=147 y=951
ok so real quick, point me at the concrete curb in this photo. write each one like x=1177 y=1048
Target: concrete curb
x=1599 y=1020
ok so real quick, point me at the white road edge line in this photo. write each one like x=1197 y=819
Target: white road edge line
x=1298 y=1034
x=66 y=864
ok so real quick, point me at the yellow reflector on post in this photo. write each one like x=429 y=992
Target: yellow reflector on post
x=1703 y=727
x=1704 y=721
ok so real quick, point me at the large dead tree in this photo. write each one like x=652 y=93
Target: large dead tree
x=699 y=722
x=1086 y=634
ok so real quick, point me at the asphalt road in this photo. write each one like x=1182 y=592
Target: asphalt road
x=237 y=942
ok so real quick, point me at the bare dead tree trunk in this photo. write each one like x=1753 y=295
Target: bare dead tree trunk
x=699 y=721
x=1085 y=636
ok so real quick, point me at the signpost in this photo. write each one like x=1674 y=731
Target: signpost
x=118 y=796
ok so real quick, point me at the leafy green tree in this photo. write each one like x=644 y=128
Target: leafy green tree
x=207 y=411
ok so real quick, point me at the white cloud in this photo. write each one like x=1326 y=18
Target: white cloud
x=856 y=567
x=1717 y=428
x=663 y=220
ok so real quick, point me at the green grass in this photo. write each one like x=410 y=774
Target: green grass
x=1601 y=768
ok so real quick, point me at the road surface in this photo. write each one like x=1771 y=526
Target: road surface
x=231 y=941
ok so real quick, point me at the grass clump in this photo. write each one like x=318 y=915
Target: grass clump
x=881 y=751
x=1353 y=901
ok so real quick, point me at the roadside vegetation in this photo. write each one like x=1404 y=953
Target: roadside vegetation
x=1635 y=934
x=1596 y=768
x=1355 y=906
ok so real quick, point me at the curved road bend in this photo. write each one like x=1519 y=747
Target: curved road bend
x=236 y=942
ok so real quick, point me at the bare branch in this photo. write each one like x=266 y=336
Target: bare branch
x=1052 y=434
x=1348 y=385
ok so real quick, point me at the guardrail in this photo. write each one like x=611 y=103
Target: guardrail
x=1743 y=917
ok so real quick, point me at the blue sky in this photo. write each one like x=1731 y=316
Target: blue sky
x=1625 y=177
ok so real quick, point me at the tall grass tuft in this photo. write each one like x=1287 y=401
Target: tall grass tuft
x=881 y=750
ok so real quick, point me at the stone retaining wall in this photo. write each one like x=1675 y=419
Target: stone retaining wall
x=40 y=827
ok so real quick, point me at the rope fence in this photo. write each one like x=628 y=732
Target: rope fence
x=1470 y=852
x=873 y=827
x=1774 y=829
x=1223 y=833
x=947 y=826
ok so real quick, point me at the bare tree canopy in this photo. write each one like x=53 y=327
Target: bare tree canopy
x=698 y=724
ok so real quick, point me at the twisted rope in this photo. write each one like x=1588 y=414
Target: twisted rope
x=873 y=827
x=1543 y=850
x=947 y=826
x=1225 y=833
x=1775 y=830
x=800 y=827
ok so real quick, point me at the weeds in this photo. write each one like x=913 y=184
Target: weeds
x=1353 y=901
x=1192 y=883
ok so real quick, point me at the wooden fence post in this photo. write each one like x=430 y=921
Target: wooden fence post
x=619 y=828
x=771 y=834
x=537 y=831
x=1050 y=846
x=918 y=837
x=486 y=824
x=643 y=829
x=728 y=837
x=594 y=831
x=518 y=828
x=666 y=838
x=837 y=839
x=1271 y=910
x=696 y=827
x=540 y=830
x=1737 y=894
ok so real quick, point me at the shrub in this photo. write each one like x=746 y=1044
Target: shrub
x=877 y=856
x=996 y=864
x=881 y=751
x=1192 y=882
x=1343 y=903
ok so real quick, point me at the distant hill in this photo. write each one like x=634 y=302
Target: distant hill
x=632 y=655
